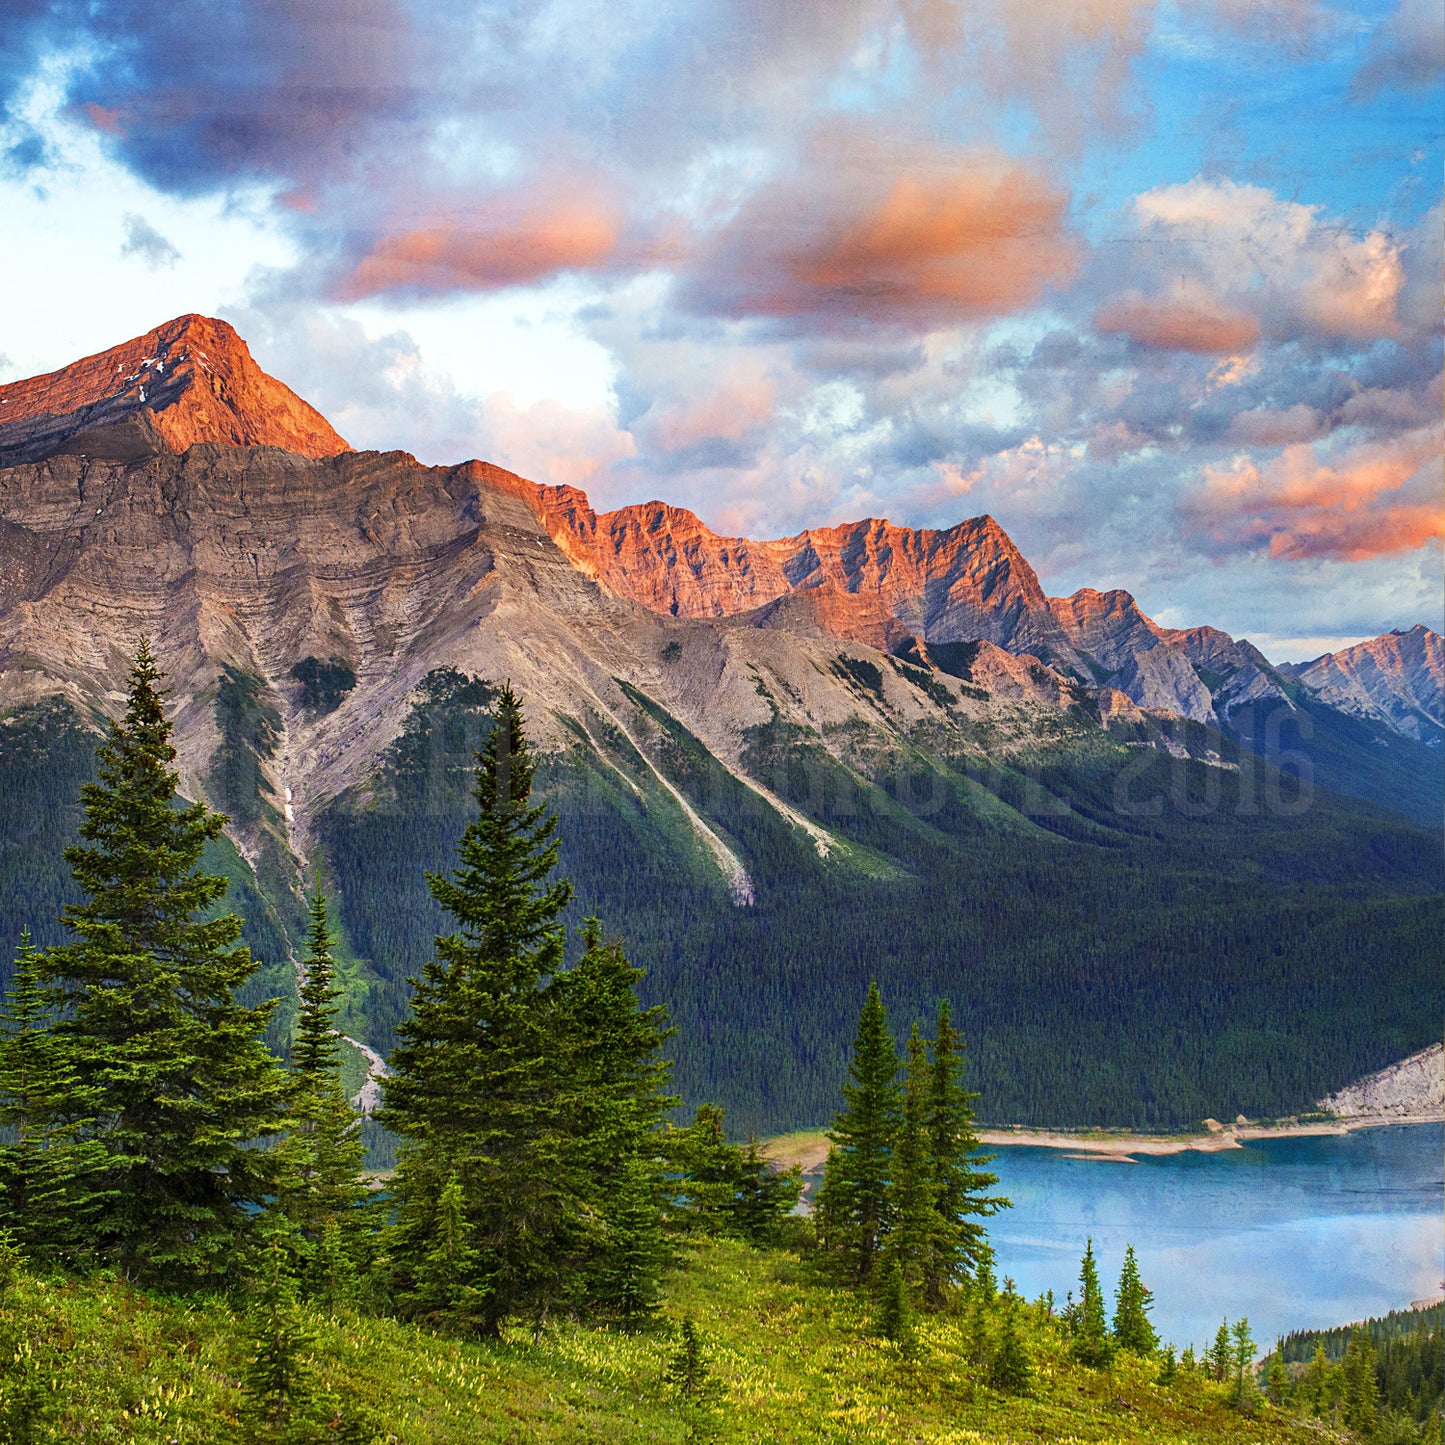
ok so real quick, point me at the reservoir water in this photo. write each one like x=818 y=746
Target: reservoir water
x=1293 y=1233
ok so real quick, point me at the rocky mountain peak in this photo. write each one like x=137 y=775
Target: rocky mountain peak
x=190 y=380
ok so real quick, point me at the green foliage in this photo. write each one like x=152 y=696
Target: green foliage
x=960 y=1181
x=1132 y=1303
x=861 y=673
x=169 y=1070
x=278 y=1377
x=715 y=1187
x=1012 y=1372
x=50 y=1186
x=1243 y=1347
x=319 y=1188
x=852 y=1204
x=895 y=1310
x=1092 y=1346
x=250 y=727
x=913 y=1243
x=324 y=685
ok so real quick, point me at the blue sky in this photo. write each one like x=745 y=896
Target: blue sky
x=1158 y=285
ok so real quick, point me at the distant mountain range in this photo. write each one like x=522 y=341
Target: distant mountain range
x=319 y=610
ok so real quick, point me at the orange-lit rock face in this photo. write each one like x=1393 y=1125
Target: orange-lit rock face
x=963 y=582
x=192 y=380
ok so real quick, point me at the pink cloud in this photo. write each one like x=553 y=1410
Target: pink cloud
x=868 y=231
x=1190 y=322
x=487 y=253
x=1378 y=499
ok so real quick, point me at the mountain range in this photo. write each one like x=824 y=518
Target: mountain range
x=848 y=714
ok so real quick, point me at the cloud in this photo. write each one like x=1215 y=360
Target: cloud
x=865 y=231
x=1231 y=259
x=1406 y=53
x=144 y=241
x=1188 y=320
x=1375 y=500
x=496 y=249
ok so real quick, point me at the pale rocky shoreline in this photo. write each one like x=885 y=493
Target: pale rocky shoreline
x=1409 y=1092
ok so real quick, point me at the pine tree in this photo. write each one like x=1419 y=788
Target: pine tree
x=956 y=1163
x=1012 y=1372
x=1091 y=1345
x=852 y=1203
x=1132 y=1303
x=766 y=1196
x=914 y=1224
x=174 y=1071
x=1169 y=1367
x=625 y=1278
x=320 y=1187
x=475 y=1087
x=48 y=1175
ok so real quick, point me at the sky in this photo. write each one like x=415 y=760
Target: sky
x=1157 y=285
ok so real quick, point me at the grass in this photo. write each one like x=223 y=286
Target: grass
x=792 y=1359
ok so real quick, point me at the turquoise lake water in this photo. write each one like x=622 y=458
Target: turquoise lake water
x=1293 y=1233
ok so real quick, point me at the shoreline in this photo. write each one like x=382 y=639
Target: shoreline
x=808 y=1148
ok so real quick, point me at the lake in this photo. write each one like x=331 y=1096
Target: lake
x=1293 y=1233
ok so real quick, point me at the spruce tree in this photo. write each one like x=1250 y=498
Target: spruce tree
x=1091 y=1344
x=320 y=1187
x=912 y=1243
x=1362 y=1390
x=956 y=1161
x=1220 y=1355
x=1277 y=1382
x=612 y=1083
x=766 y=1196
x=278 y=1378
x=174 y=1071
x=49 y=1174
x=475 y=1087
x=1242 y=1352
x=852 y=1203
x=1012 y=1372
x=1132 y=1303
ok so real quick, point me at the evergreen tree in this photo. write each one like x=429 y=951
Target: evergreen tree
x=1220 y=1355
x=48 y=1175
x=1362 y=1390
x=320 y=1187
x=1132 y=1303
x=766 y=1197
x=687 y=1371
x=961 y=1184
x=1277 y=1383
x=613 y=1082
x=1187 y=1363
x=173 y=1071
x=895 y=1309
x=476 y=1086
x=912 y=1243
x=851 y=1213
x=1169 y=1367
x=278 y=1379
x=1012 y=1372
x=1242 y=1346
x=443 y=1287
x=1091 y=1344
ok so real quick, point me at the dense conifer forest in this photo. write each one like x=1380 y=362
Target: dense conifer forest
x=1224 y=948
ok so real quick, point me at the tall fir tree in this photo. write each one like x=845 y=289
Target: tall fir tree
x=852 y=1208
x=612 y=1092
x=173 y=1069
x=1242 y=1349
x=912 y=1243
x=961 y=1182
x=475 y=1087
x=1092 y=1345
x=1132 y=1303
x=50 y=1173
x=1362 y=1389
x=320 y=1187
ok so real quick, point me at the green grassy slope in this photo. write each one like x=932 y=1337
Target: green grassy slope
x=793 y=1360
